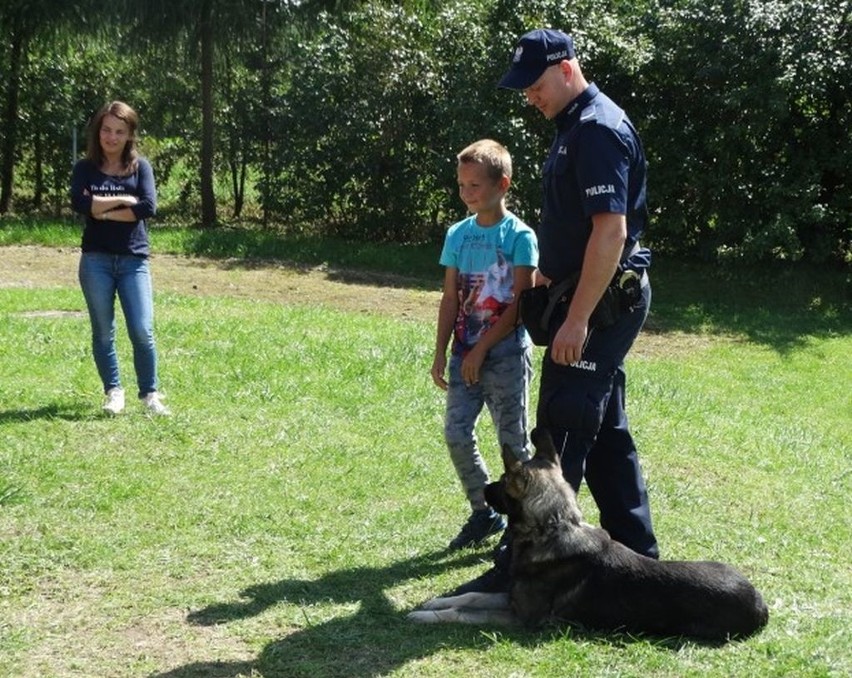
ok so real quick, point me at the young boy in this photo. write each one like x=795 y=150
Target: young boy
x=489 y=257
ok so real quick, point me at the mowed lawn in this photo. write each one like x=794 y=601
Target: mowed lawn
x=298 y=502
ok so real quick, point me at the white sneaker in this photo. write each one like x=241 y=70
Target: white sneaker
x=154 y=405
x=114 y=402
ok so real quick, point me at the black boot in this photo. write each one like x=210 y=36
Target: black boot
x=496 y=579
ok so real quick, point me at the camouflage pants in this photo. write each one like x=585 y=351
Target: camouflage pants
x=504 y=389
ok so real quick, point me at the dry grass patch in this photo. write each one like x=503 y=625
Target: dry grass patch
x=291 y=284
x=74 y=626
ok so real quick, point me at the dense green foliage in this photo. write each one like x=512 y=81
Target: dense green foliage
x=343 y=118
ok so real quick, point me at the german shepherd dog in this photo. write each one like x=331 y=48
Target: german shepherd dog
x=566 y=571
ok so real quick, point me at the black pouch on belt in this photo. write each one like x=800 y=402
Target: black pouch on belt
x=542 y=306
x=539 y=305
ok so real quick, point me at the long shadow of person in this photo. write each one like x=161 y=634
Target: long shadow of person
x=364 y=644
x=52 y=411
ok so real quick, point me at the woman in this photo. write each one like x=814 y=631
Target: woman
x=113 y=188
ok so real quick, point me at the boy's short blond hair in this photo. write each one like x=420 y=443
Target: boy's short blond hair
x=492 y=155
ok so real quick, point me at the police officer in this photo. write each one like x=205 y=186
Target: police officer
x=593 y=214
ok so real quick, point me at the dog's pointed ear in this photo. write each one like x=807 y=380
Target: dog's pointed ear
x=510 y=462
x=543 y=442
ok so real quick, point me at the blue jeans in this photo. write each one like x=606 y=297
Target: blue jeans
x=504 y=389
x=102 y=276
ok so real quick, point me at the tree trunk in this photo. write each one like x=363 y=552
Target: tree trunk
x=208 y=198
x=238 y=184
x=10 y=123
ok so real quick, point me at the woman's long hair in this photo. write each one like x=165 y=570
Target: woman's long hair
x=123 y=112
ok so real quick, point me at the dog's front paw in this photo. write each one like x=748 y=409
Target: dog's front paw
x=438 y=604
x=438 y=616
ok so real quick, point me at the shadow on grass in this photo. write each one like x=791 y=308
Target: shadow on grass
x=779 y=305
x=771 y=305
x=375 y=640
x=364 y=263
x=52 y=411
x=348 y=276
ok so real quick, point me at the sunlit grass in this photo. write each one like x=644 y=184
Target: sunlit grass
x=296 y=504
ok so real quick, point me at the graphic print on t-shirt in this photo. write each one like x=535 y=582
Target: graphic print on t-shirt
x=483 y=296
x=107 y=189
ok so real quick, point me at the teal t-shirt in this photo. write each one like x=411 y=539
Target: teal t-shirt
x=485 y=258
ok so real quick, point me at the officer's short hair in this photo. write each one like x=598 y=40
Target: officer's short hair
x=491 y=155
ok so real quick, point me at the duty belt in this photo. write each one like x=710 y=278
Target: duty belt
x=561 y=292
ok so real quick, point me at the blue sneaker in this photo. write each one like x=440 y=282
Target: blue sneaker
x=481 y=525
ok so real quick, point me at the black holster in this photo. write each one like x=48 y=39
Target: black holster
x=542 y=307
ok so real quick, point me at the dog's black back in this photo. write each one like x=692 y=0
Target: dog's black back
x=565 y=570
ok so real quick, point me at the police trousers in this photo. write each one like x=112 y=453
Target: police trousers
x=583 y=406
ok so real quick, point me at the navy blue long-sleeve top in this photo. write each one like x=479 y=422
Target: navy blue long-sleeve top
x=114 y=237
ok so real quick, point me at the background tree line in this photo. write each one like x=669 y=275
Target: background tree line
x=343 y=118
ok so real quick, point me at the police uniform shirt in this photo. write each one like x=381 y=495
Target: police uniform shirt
x=596 y=164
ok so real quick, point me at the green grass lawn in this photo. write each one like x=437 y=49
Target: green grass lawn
x=297 y=503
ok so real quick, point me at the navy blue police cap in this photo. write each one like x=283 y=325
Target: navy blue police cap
x=535 y=52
